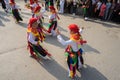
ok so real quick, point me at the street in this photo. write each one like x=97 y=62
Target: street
x=102 y=51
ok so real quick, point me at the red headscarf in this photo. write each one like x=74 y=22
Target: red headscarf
x=37 y=8
x=74 y=28
x=31 y=21
x=76 y=36
x=31 y=1
x=12 y=1
x=52 y=8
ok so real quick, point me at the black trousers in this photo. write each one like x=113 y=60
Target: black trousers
x=40 y=50
x=16 y=15
x=3 y=4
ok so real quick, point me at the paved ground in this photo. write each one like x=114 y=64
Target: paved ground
x=102 y=52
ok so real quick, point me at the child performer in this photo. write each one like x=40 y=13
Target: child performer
x=53 y=20
x=8 y=8
x=34 y=40
x=37 y=14
x=33 y=5
x=15 y=11
x=73 y=49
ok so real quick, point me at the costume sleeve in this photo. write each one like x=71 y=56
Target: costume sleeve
x=50 y=17
x=33 y=5
x=80 y=31
x=31 y=39
x=62 y=41
x=16 y=7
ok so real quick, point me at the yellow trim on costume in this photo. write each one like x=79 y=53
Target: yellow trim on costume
x=35 y=34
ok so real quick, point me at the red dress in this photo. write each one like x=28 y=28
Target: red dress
x=102 y=10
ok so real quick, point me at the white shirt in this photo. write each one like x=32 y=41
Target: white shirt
x=62 y=2
x=6 y=1
x=14 y=7
x=99 y=5
x=74 y=2
x=73 y=44
x=34 y=5
x=52 y=17
x=31 y=39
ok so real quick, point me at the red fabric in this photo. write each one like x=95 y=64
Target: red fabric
x=31 y=21
x=102 y=10
x=36 y=0
x=12 y=1
x=31 y=1
x=37 y=8
x=83 y=41
x=74 y=28
x=52 y=7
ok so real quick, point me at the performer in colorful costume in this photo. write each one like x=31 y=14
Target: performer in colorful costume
x=53 y=21
x=37 y=14
x=15 y=11
x=34 y=40
x=31 y=5
x=72 y=51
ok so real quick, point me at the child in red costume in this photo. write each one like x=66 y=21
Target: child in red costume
x=34 y=40
x=53 y=21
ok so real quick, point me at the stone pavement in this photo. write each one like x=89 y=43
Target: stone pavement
x=101 y=52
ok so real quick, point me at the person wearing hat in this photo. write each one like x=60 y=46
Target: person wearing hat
x=37 y=14
x=72 y=51
x=15 y=11
x=53 y=21
x=36 y=11
x=34 y=40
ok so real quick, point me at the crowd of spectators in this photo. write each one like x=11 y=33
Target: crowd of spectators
x=108 y=10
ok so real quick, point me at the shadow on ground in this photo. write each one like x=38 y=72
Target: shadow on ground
x=3 y=18
x=55 y=69
x=70 y=15
x=105 y=23
x=90 y=73
x=24 y=25
x=54 y=41
x=26 y=13
x=1 y=23
x=88 y=48
x=62 y=29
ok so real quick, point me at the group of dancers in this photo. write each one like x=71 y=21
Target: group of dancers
x=36 y=35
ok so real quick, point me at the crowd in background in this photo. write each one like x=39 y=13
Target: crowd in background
x=108 y=10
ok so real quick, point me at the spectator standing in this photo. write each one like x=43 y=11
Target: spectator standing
x=102 y=10
x=97 y=9
x=62 y=6
x=112 y=9
x=58 y=4
x=74 y=7
x=108 y=5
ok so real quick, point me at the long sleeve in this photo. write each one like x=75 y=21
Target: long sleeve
x=62 y=41
x=31 y=39
x=73 y=44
